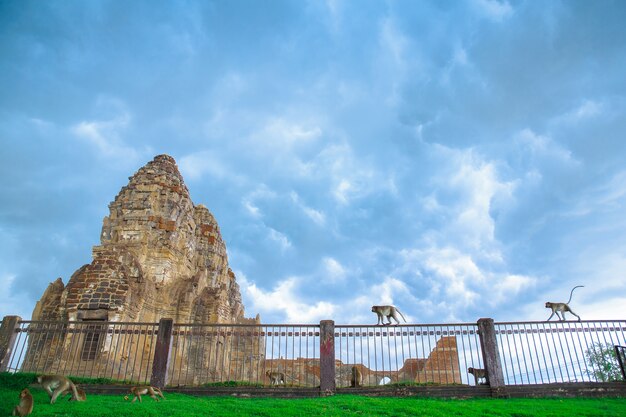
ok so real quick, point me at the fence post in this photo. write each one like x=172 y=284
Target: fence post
x=327 y=357
x=8 y=333
x=491 y=357
x=162 y=353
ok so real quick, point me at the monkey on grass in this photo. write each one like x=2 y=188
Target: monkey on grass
x=25 y=407
x=144 y=390
x=56 y=385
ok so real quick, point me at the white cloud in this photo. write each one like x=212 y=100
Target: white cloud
x=261 y=192
x=333 y=270
x=283 y=303
x=281 y=239
x=282 y=135
x=349 y=177
x=316 y=216
x=588 y=109
x=495 y=10
x=475 y=186
x=541 y=147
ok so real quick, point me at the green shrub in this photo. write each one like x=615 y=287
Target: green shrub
x=17 y=380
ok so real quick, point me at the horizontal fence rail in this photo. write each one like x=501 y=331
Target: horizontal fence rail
x=562 y=351
x=214 y=354
x=420 y=354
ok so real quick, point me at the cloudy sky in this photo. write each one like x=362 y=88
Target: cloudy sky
x=459 y=159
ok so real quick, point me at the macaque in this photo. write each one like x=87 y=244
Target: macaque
x=562 y=307
x=387 y=311
x=56 y=385
x=478 y=374
x=145 y=390
x=275 y=377
x=25 y=406
x=357 y=378
x=80 y=394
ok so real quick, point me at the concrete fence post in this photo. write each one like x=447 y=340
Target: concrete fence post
x=162 y=353
x=491 y=357
x=327 y=357
x=8 y=333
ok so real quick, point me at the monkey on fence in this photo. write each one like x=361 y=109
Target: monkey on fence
x=56 y=385
x=478 y=374
x=387 y=311
x=562 y=307
x=275 y=378
x=25 y=407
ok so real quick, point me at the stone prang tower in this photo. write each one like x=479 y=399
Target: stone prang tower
x=160 y=256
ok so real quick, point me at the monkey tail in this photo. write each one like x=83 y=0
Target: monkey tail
x=572 y=293
x=401 y=315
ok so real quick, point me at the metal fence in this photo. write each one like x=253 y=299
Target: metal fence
x=562 y=351
x=203 y=354
x=421 y=354
x=222 y=354
x=114 y=350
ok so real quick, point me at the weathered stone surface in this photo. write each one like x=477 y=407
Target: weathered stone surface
x=160 y=256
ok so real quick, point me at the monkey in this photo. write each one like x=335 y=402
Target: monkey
x=80 y=394
x=562 y=307
x=275 y=377
x=145 y=390
x=387 y=311
x=56 y=385
x=25 y=406
x=478 y=374
x=357 y=378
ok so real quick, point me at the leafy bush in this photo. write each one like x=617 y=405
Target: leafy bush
x=603 y=361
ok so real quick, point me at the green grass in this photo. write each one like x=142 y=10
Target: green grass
x=339 y=405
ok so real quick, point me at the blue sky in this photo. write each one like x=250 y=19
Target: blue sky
x=459 y=159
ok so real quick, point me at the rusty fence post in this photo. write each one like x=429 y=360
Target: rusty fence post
x=8 y=332
x=162 y=353
x=327 y=357
x=491 y=357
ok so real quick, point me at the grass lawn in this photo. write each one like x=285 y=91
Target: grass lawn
x=339 y=405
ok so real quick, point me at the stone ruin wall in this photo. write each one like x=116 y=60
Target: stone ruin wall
x=441 y=367
x=160 y=256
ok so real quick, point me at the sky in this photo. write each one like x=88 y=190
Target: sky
x=458 y=159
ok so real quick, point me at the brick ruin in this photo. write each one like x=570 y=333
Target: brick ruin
x=160 y=256
x=440 y=367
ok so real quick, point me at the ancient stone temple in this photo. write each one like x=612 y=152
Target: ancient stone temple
x=161 y=256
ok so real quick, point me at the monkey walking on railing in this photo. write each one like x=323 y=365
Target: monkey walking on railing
x=562 y=307
x=389 y=312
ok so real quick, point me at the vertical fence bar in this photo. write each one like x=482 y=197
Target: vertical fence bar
x=491 y=356
x=327 y=357
x=8 y=332
x=162 y=353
